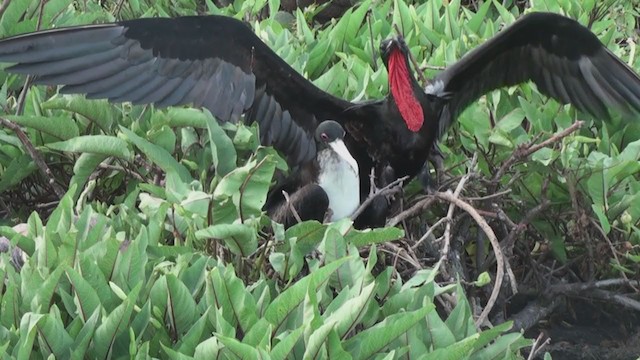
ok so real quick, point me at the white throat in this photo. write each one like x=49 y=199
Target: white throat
x=339 y=179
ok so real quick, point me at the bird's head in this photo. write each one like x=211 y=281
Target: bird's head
x=395 y=55
x=395 y=45
x=330 y=135
x=329 y=132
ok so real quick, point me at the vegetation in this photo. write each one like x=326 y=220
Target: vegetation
x=145 y=237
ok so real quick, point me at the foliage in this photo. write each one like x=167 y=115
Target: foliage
x=137 y=257
x=101 y=286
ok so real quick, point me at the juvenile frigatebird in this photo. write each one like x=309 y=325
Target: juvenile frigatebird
x=218 y=63
x=334 y=185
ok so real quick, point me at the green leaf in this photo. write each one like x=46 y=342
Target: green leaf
x=28 y=331
x=53 y=337
x=98 y=111
x=114 y=324
x=18 y=169
x=350 y=314
x=373 y=340
x=290 y=299
x=248 y=186
x=95 y=144
x=208 y=349
x=158 y=155
x=222 y=150
x=361 y=238
x=283 y=350
x=230 y=295
x=314 y=346
x=183 y=117
x=240 y=238
x=83 y=339
x=61 y=127
x=181 y=308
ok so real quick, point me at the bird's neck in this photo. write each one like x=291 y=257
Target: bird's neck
x=404 y=89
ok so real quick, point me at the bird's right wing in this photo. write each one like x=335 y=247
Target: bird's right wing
x=215 y=62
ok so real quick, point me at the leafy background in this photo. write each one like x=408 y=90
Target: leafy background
x=141 y=232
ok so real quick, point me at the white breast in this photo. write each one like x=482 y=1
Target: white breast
x=339 y=179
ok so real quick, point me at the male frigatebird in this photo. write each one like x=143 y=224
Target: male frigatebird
x=218 y=63
x=334 y=185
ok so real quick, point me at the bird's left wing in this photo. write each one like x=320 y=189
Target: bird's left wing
x=563 y=58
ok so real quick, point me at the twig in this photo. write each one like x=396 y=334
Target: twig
x=529 y=148
x=509 y=241
x=433 y=67
x=576 y=288
x=448 y=196
x=429 y=232
x=490 y=196
x=534 y=312
x=613 y=251
x=447 y=230
x=401 y=253
x=416 y=208
x=538 y=345
x=382 y=192
x=290 y=205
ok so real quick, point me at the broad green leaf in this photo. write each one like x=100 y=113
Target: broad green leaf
x=83 y=339
x=350 y=314
x=283 y=349
x=53 y=338
x=18 y=169
x=157 y=155
x=230 y=295
x=222 y=150
x=314 y=347
x=373 y=236
x=95 y=144
x=248 y=186
x=114 y=324
x=370 y=341
x=60 y=127
x=98 y=111
x=290 y=299
x=180 y=306
x=241 y=239
x=238 y=349
x=27 y=334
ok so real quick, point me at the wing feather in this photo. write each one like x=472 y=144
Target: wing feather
x=215 y=62
x=563 y=58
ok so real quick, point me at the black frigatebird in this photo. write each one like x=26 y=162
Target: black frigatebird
x=218 y=63
x=334 y=185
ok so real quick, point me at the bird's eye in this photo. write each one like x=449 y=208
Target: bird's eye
x=324 y=137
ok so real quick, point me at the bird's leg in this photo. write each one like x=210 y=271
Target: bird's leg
x=437 y=159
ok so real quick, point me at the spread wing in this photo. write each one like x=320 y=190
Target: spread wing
x=214 y=62
x=563 y=58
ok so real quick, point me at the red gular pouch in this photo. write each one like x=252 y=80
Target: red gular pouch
x=402 y=92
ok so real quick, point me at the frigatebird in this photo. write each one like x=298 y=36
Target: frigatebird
x=218 y=63
x=334 y=185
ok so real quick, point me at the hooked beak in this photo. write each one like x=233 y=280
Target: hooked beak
x=341 y=149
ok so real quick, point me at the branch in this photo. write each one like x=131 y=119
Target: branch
x=391 y=188
x=448 y=196
x=35 y=155
x=529 y=148
x=447 y=230
x=290 y=205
